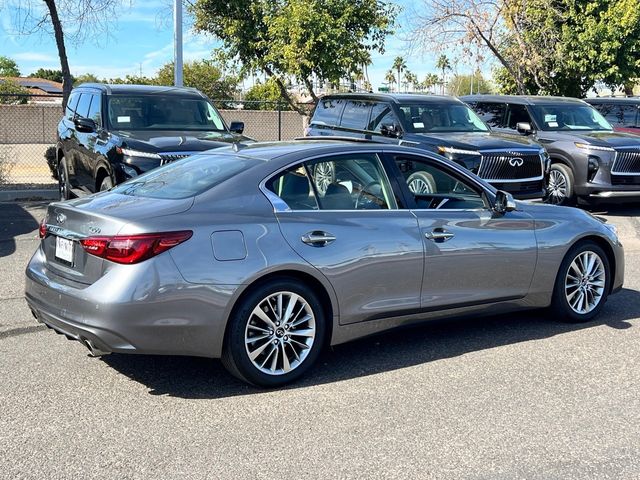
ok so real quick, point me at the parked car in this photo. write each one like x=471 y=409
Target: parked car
x=111 y=133
x=243 y=255
x=589 y=161
x=439 y=124
x=622 y=113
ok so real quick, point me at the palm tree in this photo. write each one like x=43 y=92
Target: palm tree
x=443 y=64
x=399 y=64
x=390 y=78
x=430 y=81
x=411 y=78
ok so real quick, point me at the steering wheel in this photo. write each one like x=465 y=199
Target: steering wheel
x=363 y=193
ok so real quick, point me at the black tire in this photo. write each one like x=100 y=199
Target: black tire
x=106 y=184
x=421 y=183
x=560 y=306
x=63 y=180
x=235 y=352
x=560 y=186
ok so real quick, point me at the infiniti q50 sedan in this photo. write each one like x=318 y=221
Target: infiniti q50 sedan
x=263 y=254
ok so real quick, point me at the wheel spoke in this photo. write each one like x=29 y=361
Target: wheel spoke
x=309 y=332
x=255 y=339
x=285 y=359
x=258 y=312
x=301 y=320
x=253 y=355
x=290 y=306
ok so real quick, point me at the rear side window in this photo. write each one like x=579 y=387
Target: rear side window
x=355 y=115
x=187 y=178
x=491 y=113
x=622 y=115
x=328 y=112
x=82 y=110
x=72 y=103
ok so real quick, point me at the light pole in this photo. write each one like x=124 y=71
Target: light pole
x=177 y=43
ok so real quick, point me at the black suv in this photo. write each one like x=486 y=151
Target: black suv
x=440 y=124
x=589 y=161
x=622 y=112
x=111 y=133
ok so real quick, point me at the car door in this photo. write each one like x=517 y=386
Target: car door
x=354 y=119
x=382 y=114
x=472 y=254
x=82 y=157
x=353 y=232
x=67 y=135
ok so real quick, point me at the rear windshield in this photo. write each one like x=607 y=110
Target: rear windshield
x=567 y=117
x=162 y=112
x=440 y=117
x=186 y=178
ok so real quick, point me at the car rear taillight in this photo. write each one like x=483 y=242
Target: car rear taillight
x=130 y=249
x=42 y=231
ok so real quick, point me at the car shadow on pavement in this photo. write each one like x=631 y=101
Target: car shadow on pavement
x=194 y=378
x=15 y=220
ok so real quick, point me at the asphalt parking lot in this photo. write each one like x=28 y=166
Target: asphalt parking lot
x=511 y=397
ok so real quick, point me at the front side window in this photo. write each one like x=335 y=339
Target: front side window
x=567 y=117
x=82 y=110
x=328 y=112
x=381 y=114
x=162 y=112
x=491 y=113
x=95 y=110
x=517 y=114
x=72 y=103
x=440 y=117
x=346 y=182
x=433 y=187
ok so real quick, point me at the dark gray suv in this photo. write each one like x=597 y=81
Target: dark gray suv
x=589 y=161
x=439 y=124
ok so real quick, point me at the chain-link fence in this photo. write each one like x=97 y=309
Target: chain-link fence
x=28 y=126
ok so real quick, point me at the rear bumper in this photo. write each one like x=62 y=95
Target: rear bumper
x=145 y=308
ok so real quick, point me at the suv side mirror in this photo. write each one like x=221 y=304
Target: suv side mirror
x=390 y=130
x=236 y=127
x=524 y=128
x=84 y=125
x=504 y=203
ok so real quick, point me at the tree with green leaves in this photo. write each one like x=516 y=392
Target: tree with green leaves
x=48 y=74
x=10 y=92
x=325 y=39
x=86 y=78
x=205 y=75
x=390 y=79
x=443 y=64
x=399 y=65
x=430 y=81
x=267 y=92
x=468 y=84
x=8 y=67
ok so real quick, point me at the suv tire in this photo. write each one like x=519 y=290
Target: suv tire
x=560 y=186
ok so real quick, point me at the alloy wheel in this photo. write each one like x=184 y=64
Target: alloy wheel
x=324 y=175
x=419 y=186
x=585 y=282
x=557 y=187
x=280 y=333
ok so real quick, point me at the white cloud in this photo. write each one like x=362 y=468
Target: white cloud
x=34 y=57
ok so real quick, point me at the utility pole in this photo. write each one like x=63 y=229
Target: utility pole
x=177 y=43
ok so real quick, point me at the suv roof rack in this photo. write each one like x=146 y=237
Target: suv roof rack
x=338 y=138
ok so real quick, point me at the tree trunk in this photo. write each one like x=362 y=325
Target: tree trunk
x=67 y=82
x=285 y=94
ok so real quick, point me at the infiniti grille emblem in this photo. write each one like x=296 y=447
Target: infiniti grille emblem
x=61 y=218
x=516 y=162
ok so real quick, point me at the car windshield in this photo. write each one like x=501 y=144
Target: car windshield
x=567 y=117
x=186 y=178
x=162 y=112
x=440 y=117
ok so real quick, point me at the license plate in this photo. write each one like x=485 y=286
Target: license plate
x=64 y=250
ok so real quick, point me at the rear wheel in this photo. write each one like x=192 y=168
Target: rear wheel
x=582 y=284
x=560 y=186
x=421 y=183
x=275 y=335
x=63 y=180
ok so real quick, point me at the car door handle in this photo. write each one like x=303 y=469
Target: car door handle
x=317 y=238
x=439 y=235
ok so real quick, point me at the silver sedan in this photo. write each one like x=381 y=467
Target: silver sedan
x=263 y=254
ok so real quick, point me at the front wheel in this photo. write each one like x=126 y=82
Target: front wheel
x=582 y=284
x=106 y=184
x=275 y=335
x=63 y=180
x=560 y=186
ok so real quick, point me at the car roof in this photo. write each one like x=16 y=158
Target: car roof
x=394 y=97
x=622 y=100
x=522 y=99
x=121 y=89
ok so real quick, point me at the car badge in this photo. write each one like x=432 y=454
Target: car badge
x=94 y=230
x=61 y=218
x=516 y=162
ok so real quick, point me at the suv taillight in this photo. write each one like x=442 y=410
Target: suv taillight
x=42 y=231
x=128 y=249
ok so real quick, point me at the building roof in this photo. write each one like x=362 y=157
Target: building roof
x=37 y=86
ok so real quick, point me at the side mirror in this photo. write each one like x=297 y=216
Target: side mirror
x=391 y=130
x=524 y=128
x=85 y=125
x=236 y=127
x=504 y=203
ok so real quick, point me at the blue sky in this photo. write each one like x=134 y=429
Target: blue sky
x=141 y=40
